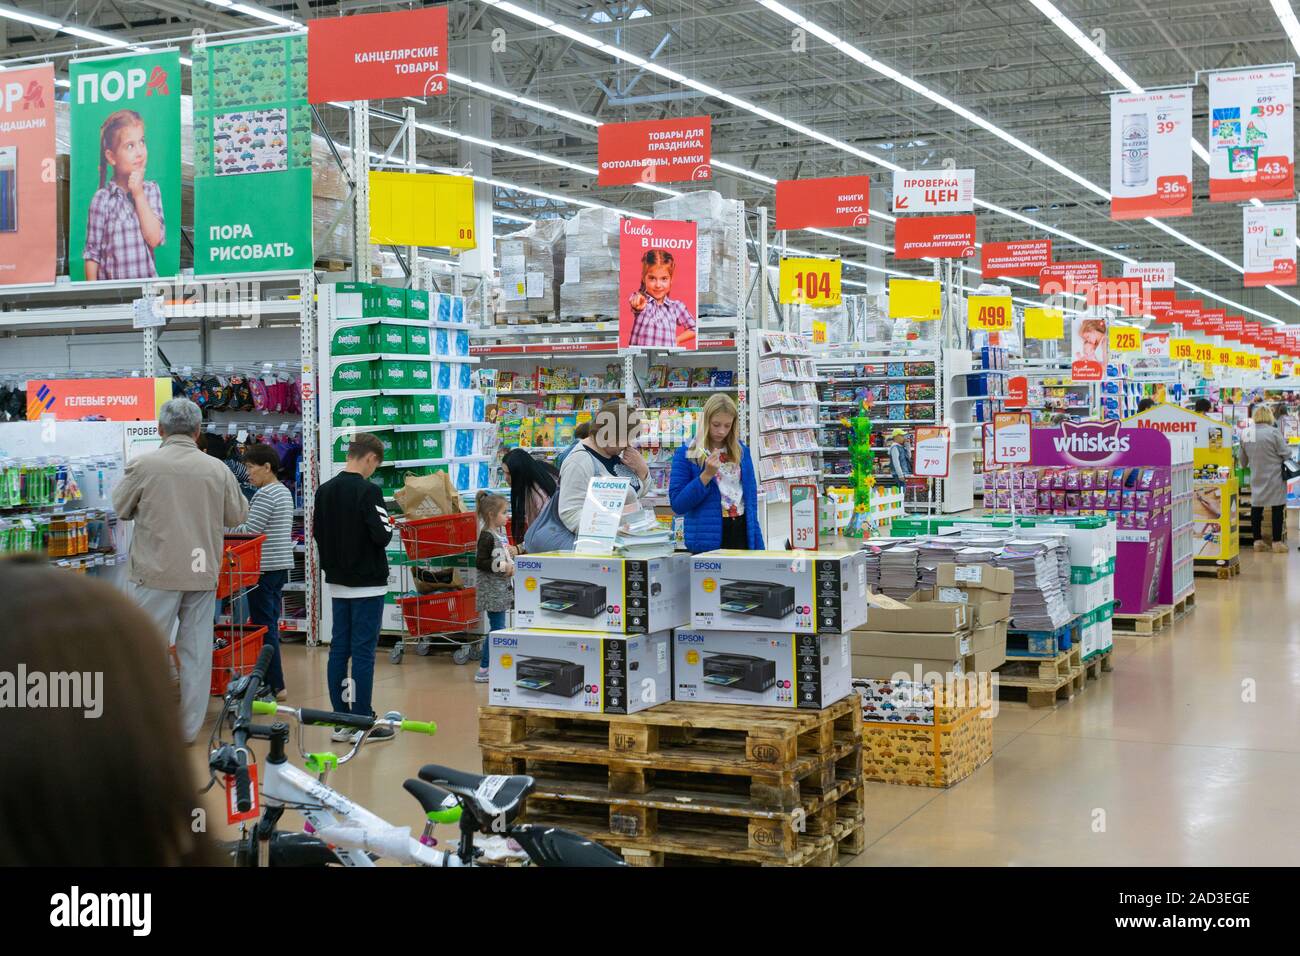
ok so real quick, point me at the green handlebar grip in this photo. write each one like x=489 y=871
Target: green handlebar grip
x=264 y=707
x=420 y=726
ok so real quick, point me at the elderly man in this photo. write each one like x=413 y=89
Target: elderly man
x=180 y=500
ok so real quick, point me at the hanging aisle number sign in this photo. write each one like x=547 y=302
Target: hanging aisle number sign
x=932 y=450
x=1125 y=339
x=989 y=313
x=813 y=282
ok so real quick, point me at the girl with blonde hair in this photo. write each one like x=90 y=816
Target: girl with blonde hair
x=713 y=484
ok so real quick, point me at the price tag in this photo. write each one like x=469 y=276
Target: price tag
x=916 y=299
x=1250 y=361
x=1203 y=353
x=1238 y=358
x=232 y=798
x=242 y=436
x=147 y=313
x=933 y=448
x=818 y=332
x=1278 y=366
x=989 y=313
x=1045 y=324
x=1011 y=438
x=1223 y=358
x=803 y=517
x=812 y=282
x=1125 y=338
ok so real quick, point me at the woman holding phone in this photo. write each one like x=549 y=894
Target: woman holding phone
x=713 y=485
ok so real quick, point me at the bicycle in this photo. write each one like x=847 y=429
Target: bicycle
x=341 y=831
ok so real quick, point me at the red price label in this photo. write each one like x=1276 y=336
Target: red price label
x=1271 y=109
x=1165 y=126
x=1284 y=266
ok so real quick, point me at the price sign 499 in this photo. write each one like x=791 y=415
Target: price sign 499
x=989 y=313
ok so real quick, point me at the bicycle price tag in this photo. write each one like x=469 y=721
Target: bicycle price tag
x=232 y=809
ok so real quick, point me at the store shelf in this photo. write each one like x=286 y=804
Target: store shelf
x=441 y=426
x=424 y=462
x=359 y=323
x=836 y=379
x=694 y=391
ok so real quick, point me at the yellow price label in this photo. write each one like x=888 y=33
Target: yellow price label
x=1125 y=339
x=1250 y=361
x=1182 y=350
x=1045 y=324
x=989 y=313
x=1223 y=358
x=1203 y=353
x=916 y=299
x=819 y=333
x=1238 y=358
x=1280 y=367
x=811 y=282
x=1207 y=371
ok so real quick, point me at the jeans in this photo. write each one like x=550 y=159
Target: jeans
x=354 y=636
x=1278 y=518
x=496 y=621
x=265 y=602
x=194 y=611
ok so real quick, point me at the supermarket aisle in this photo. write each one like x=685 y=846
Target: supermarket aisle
x=1184 y=771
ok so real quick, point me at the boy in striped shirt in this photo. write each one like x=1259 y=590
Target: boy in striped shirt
x=271 y=514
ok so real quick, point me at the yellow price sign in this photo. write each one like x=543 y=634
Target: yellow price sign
x=1125 y=338
x=1238 y=358
x=1182 y=350
x=1278 y=366
x=1207 y=371
x=1223 y=358
x=1250 y=361
x=819 y=332
x=1203 y=353
x=1045 y=324
x=916 y=299
x=811 y=282
x=989 y=313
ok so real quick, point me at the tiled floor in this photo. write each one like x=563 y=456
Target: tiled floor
x=1161 y=762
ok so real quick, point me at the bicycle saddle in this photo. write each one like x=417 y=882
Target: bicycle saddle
x=488 y=797
x=438 y=805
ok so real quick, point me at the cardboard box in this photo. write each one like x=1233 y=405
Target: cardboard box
x=984 y=661
x=394 y=302
x=417 y=304
x=922 y=670
x=391 y=339
x=357 y=300
x=353 y=377
x=586 y=672
x=354 y=412
x=904 y=644
x=421 y=445
x=417 y=340
x=779 y=591
x=583 y=592
x=989 y=637
x=353 y=340
x=391 y=374
x=388 y=410
x=419 y=375
x=808 y=671
x=921 y=616
x=969 y=576
x=421 y=409
x=905 y=752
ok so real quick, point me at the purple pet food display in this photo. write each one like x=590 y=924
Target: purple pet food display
x=1127 y=474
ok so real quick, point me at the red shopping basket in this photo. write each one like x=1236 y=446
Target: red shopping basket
x=244 y=643
x=241 y=563
x=439 y=536
x=440 y=612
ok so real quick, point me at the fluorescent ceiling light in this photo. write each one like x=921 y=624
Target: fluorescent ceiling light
x=261 y=14
x=22 y=16
x=94 y=35
x=1289 y=23
x=1084 y=43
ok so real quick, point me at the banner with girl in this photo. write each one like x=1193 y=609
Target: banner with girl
x=657 y=292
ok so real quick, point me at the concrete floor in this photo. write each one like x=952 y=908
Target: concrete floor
x=1161 y=762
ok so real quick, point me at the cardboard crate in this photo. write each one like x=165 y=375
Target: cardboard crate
x=939 y=755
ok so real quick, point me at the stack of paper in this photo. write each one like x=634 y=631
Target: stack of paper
x=898 y=572
x=874 y=547
x=641 y=536
x=932 y=552
x=1039 y=602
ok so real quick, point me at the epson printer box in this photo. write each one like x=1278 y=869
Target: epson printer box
x=583 y=592
x=810 y=671
x=779 y=591
x=592 y=672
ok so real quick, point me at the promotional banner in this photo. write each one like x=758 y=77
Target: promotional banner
x=1027 y=258
x=1068 y=276
x=1268 y=244
x=809 y=281
x=1088 y=349
x=1155 y=344
x=657 y=284
x=937 y=190
x=110 y=399
x=654 y=151
x=1017 y=392
x=252 y=156
x=1160 y=302
x=1125 y=294
x=834 y=202
x=1151 y=154
x=933 y=451
x=917 y=299
x=28 y=188
x=1187 y=313
x=1154 y=275
x=1011 y=445
x=124 y=205
x=377 y=56
x=1252 y=140
x=944 y=237
x=1045 y=324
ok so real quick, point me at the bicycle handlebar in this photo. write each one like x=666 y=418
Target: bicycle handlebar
x=330 y=718
x=243 y=720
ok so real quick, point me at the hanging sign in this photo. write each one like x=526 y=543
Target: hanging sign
x=1044 y=324
x=1187 y=313
x=933 y=448
x=943 y=237
x=1011 y=438
x=1068 y=276
x=1182 y=349
x=1154 y=275
x=1125 y=294
x=989 y=313
x=1252 y=150
x=1125 y=338
x=422 y=209
x=1151 y=154
x=28 y=190
x=252 y=156
x=811 y=282
x=1202 y=352
x=111 y=399
x=1017 y=392
x=1222 y=357
x=377 y=56
x=657 y=291
x=654 y=151
x=1268 y=244
x=1159 y=302
x=803 y=517
x=832 y=202
x=1088 y=347
x=124 y=212
x=1155 y=345
x=936 y=190
x=917 y=299
x=1027 y=258
x=1218 y=322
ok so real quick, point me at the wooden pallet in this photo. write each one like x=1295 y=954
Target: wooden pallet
x=1147 y=623
x=1185 y=604
x=1049 y=670
x=1214 y=568
x=1100 y=662
x=1040 y=693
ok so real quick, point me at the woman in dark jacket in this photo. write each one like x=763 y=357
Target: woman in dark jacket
x=713 y=484
x=532 y=482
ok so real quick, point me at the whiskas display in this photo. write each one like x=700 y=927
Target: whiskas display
x=779 y=591
x=580 y=592
x=587 y=672
x=808 y=671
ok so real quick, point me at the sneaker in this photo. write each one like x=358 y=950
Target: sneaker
x=381 y=733
x=345 y=735
x=1279 y=547
x=481 y=675
x=1261 y=546
x=282 y=695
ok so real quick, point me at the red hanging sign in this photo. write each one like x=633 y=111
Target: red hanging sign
x=1126 y=294
x=654 y=151
x=1159 y=302
x=833 y=202
x=377 y=56
x=1017 y=392
x=1187 y=313
x=1027 y=258
x=1069 y=276
x=943 y=237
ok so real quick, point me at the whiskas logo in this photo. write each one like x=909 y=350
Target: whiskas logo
x=1090 y=441
x=505 y=642
x=708 y=566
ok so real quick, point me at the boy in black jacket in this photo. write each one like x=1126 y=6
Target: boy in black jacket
x=351 y=528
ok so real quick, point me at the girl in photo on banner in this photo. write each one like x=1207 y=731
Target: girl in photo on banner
x=125 y=221
x=658 y=320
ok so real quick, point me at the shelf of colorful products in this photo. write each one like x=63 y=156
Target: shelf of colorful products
x=38 y=514
x=786 y=441
x=837 y=510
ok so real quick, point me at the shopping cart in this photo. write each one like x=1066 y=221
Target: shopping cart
x=446 y=616
x=241 y=567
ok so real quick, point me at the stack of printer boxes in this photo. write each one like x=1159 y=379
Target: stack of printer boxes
x=592 y=634
x=770 y=628
x=922 y=670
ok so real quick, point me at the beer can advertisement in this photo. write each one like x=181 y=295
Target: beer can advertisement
x=1252 y=140
x=1088 y=349
x=657 y=284
x=124 y=207
x=28 y=196
x=1151 y=154
x=1268 y=244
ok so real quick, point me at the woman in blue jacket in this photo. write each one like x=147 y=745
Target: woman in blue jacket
x=713 y=485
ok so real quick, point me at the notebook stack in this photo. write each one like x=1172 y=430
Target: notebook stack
x=898 y=572
x=1039 y=602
